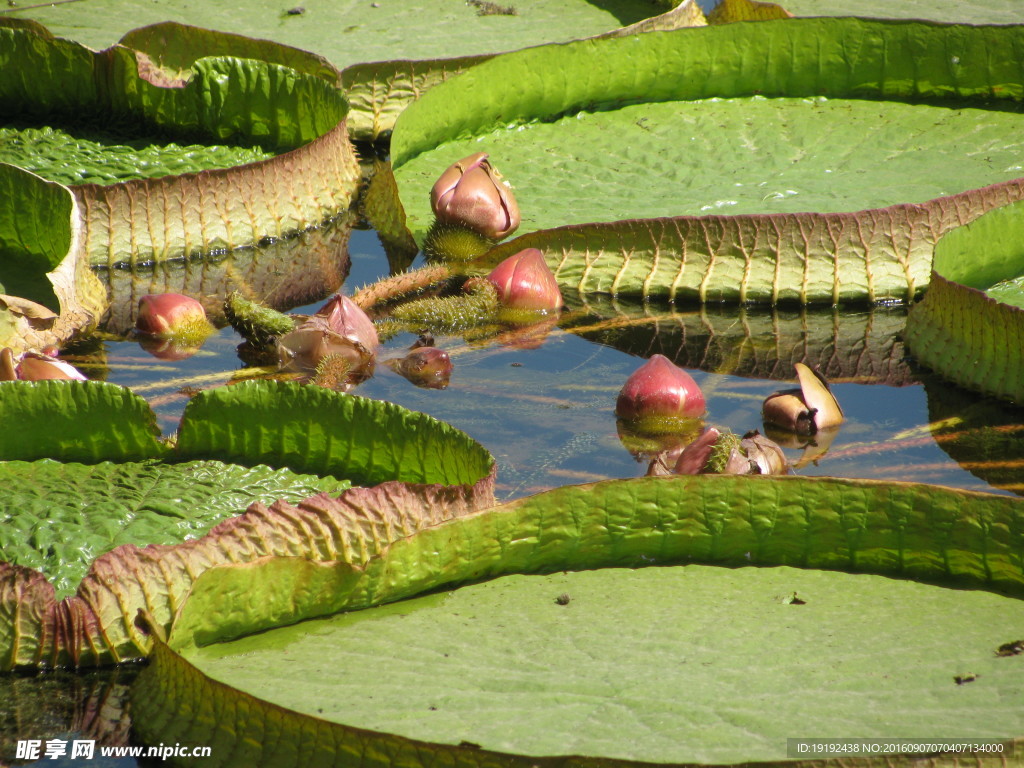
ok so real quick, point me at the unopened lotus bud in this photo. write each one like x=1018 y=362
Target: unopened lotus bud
x=35 y=366
x=805 y=410
x=471 y=193
x=173 y=315
x=347 y=319
x=427 y=367
x=660 y=397
x=526 y=282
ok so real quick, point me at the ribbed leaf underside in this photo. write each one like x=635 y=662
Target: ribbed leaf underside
x=968 y=337
x=220 y=98
x=880 y=253
x=321 y=431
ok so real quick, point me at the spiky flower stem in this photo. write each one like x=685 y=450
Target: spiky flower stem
x=256 y=323
x=451 y=314
x=395 y=287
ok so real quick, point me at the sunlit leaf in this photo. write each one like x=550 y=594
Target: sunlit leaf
x=957 y=11
x=58 y=517
x=714 y=178
x=182 y=92
x=899 y=530
x=42 y=262
x=968 y=337
x=309 y=429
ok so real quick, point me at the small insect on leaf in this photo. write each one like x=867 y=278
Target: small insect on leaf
x=967 y=677
x=793 y=600
x=563 y=599
x=1011 y=649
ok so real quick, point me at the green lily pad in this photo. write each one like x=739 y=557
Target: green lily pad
x=58 y=517
x=743 y=173
x=322 y=434
x=954 y=11
x=752 y=155
x=528 y=651
x=660 y=665
x=92 y=158
x=355 y=33
x=960 y=329
x=306 y=171
x=47 y=291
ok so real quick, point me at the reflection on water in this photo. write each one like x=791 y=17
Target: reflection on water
x=65 y=705
x=543 y=404
x=282 y=273
x=844 y=345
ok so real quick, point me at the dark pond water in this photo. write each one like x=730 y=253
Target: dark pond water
x=542 y=401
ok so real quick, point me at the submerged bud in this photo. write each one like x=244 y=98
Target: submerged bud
x=659 y=396
x=164 y=315
x=525 y=281
x=805 y=410
x=427 y=367
x=471 y=193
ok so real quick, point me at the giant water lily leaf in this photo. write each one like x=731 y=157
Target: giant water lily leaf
x=358 y=33
x=310 y=175
x=86 y=422
x=955 y=11
x=253 y=426
x=864 y=347
x=58 y=517
x=380 y=90
x=374 y=441
x=174 y=47
x=838 y=136
x=489 y=663
x=47 y=291
x=907 y=531
x=970 y=338
x=425 y=43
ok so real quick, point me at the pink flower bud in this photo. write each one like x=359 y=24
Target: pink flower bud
x=345 y=318
x=471 y=193
x=660 y=394
x=171 y=314
x=525 y=281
